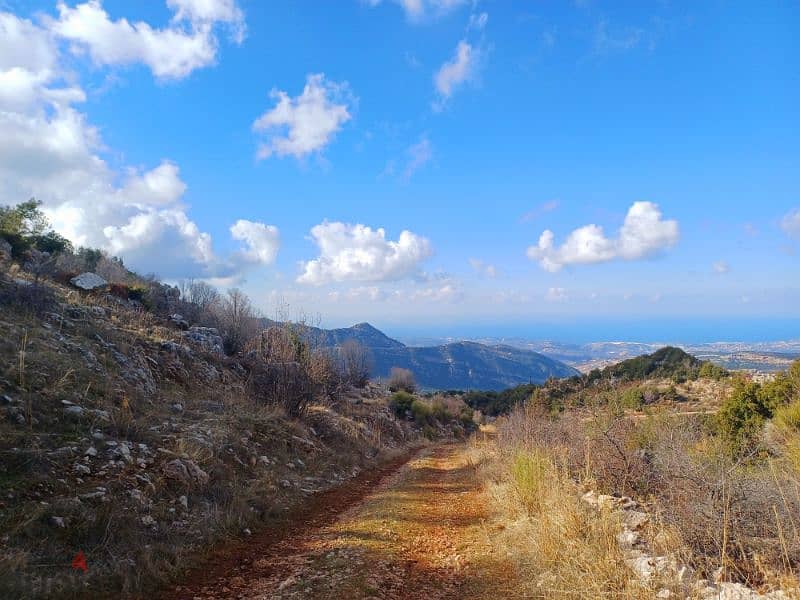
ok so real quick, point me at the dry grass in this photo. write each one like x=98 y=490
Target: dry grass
x=711 y=509
x=560 y=548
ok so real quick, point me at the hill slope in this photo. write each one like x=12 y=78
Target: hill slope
x=666 y=362
x=459 y=365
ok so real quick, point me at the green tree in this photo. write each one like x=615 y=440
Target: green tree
x=25 y=227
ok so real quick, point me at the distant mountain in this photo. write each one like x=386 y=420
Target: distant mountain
x=364 y=333
x=454 y=366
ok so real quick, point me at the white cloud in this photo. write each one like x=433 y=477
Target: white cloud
x=445 y=293
x=556 y=294
x=309 y=121
x=50 y=151
x=791 y=223
x=462 y=68
x=418 y=154
x=262 y=241
x=643 y=233
x=188 y=43
x=720 y=267
x=419 y=10
x=478 y=21
x=483 y=268
x=360 y=253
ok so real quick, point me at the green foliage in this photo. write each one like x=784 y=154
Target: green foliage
x=496 y=403
x=91 y=257
x=422 y=411
x=400 y=403
x=52 y=243
x=709 y=370
x=26 y=227
x=632 y=398
x=666 y=362
x=467 y=417
x=744 y=412
x=788 y=417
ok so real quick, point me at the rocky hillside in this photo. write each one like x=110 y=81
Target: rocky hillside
x=455 y=366
x=133 y=439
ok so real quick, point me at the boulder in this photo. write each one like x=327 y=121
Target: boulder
x=179 y=321
x=89 y=282
x=208 y=338
x=186 y=471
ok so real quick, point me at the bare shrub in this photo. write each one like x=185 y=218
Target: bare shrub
x=238 y=320
x=278 y=374
x=402 y=379
x=721 y=508
x=356 y=363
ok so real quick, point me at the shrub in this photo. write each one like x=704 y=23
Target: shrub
x=401 y=402
x=742 y=414
x=709 y=370
x=402 y=379
x=422 y=411
x=356 y=363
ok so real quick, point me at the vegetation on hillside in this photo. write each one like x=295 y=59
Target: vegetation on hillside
x=140 y=422
x=722 y=492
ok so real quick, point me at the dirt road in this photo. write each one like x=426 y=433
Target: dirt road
x=419 y=532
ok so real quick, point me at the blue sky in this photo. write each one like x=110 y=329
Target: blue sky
x=473 y=126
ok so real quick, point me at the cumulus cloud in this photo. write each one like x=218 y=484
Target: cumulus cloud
x=307 y=123
x=173 y=52
x=643 y=233
x=419 y=10
x=360 y=253
x=50 y=151
x=261 y=241
x=484 y=269
x=791 y=223
x=457 y=71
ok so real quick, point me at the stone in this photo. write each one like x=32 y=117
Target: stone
x=179 y=321
x=98 y=311
x=184 y=502
x=82 y=469
x=148 y=521
x=74 y=411
x=91 y=451
x=207 y=338
x=58 y=522
x=186 y=471
x=89 y=282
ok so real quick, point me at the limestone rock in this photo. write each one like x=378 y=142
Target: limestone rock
x=89 y=282
x=186 y=471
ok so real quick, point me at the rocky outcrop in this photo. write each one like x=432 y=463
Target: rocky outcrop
x=665 y=573
x=207 y=338
x=89 y=282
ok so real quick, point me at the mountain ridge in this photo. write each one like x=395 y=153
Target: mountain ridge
x=455 y=365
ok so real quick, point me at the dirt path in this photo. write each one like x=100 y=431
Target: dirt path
x=418 y=533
